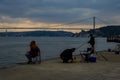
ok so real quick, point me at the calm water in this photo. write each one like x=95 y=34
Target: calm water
x=13 y=49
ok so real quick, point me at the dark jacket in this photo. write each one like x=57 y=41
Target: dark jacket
x=67 y=53
x=34 y=52
x=92 y=40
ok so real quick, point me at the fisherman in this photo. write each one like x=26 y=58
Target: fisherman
x=92 y=43
x=66 y=55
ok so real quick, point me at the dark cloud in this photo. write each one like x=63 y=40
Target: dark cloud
x=60 y=11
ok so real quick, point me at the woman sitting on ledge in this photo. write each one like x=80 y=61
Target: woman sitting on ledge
x=33 y=53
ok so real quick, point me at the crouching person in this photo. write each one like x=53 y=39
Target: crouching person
x=66 y=55
x=33 y=53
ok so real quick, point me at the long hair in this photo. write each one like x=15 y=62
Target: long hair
x=33 y=44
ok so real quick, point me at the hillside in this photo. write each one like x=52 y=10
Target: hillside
x=36 y=33
x=104 y=31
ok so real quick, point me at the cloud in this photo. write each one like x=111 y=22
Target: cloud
x=58 y=11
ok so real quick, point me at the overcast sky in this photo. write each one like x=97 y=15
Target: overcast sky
x=28 y=13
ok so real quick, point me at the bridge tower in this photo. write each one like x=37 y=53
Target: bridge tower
x=94 y=25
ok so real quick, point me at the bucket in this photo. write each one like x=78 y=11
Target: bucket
x=92 y=59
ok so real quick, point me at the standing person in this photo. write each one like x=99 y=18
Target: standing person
x=92 y=43
x=33 y=53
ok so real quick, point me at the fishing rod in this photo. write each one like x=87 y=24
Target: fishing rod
x=80 y=45
x=103 y=57
x=96 y=53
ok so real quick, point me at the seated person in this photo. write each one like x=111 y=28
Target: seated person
x=86 y=55
x=33 y=53
x=66 y=55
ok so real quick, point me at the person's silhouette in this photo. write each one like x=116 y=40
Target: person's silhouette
x=92 y=43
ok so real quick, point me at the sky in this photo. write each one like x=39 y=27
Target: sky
x=57 y=13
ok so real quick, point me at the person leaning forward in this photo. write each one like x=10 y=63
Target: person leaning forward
x=66 y=55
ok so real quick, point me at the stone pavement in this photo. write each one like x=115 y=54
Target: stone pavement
x=56 y=70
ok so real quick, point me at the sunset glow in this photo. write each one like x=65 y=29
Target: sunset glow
x=57 y=13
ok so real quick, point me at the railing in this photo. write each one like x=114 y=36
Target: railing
x=113 y=39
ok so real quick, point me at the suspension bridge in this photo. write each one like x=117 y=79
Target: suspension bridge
x=83 y=24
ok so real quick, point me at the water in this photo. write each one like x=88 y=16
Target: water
x=13 y=49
